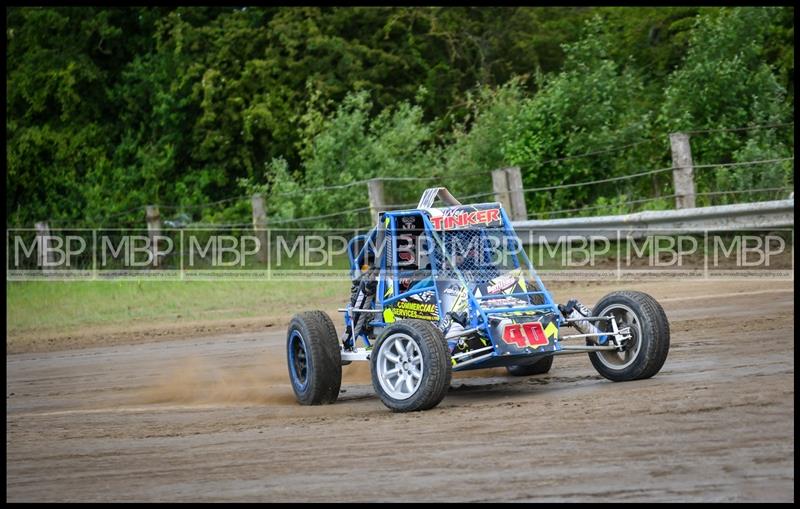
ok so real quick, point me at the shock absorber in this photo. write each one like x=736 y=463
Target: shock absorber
x=575 y=312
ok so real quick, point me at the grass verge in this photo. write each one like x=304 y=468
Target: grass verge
x=47 y=310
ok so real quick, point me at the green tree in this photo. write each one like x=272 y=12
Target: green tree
x=110 y=109
x=350 y=147
x=475 y=146
x=725 y=82
x=593 y=104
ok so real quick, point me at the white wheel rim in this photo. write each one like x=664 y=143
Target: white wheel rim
x=626 y=317
x=400 y=366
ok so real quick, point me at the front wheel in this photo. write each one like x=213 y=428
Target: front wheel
x=410 y=366
x=646 y=351
x=314 y=358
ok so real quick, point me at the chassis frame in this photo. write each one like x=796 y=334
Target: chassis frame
x=484 y=321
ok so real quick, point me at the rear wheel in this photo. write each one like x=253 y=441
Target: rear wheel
x=410 y=366
x=537 y=368
x=645 y=353
x=314 y=358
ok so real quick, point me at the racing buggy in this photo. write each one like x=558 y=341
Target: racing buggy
x=451 y=288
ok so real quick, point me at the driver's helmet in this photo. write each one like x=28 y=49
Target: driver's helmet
x=406 y=252
x=469 y=259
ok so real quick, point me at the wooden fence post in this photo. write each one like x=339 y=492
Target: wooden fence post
x=519 y=211
x=153 y=230
x=500 y=188
x=45 y=256
x=260 y=225
x=507 y=187
x=683 y=170
x=376 y=202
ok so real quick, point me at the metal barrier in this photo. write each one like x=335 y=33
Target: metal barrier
x=742 y=216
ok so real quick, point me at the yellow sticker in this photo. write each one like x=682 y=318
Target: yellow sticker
x=418 y=310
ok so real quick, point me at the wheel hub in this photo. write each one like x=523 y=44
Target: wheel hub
x=400 y=366
x=298 y=358
x=623 y=356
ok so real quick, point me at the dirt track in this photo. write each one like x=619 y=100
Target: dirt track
x=213 y=419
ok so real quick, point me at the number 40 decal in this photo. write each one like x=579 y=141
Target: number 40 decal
x=525 y=334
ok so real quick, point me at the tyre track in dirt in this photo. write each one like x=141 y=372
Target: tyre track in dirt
x=214 y=419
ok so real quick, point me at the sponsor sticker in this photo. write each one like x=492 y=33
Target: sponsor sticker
x=419 y=310
x=464 y=219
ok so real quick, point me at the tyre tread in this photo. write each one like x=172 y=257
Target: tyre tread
x=323 y=347
x=655 y=327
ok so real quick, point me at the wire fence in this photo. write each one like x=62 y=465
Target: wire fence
x=137 y=213
x=735 y=129
x=747 y=191
x=609 y=206
x=350 y=212
x=590 y=154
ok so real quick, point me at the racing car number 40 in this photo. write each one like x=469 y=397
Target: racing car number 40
x=525 y=334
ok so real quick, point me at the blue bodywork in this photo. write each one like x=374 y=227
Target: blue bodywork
x=486 y=318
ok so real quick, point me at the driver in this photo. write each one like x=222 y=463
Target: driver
x=415 y=268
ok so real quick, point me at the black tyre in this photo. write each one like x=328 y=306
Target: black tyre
x=410 y=366
x=314 y=358
x=537 y=368
x=646 y=351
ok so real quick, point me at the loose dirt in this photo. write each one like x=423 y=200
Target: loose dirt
x=212 y=418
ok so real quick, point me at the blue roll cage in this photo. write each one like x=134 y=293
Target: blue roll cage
x=478 y=316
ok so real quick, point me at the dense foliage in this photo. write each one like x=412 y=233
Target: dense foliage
x=109 y=109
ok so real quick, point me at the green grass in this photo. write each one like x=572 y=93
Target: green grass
x=59 y=306
x=67 y=306
x=51 y=305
